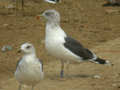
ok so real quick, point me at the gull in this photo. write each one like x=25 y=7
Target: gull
x=62 y=46
x=113 y=2
x=29 y=70
x=21 y=2
x=52 y=1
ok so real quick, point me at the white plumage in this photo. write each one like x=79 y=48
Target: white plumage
x=29 y=69
x=52 y=1
x=60 y=45
x=54 y=41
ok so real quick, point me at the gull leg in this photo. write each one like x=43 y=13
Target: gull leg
x=17 y=1
x=62 y=69
x=20 y=87
x=67 y=68
x=32 y=87
x=22 y=5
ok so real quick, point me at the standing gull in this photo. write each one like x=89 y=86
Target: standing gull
x=113 y=2
x=58 y=44
x=19 y=3
x=52 y=1
x=29 y=69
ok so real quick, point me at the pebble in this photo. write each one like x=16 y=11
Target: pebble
x=114 y=85
x=97 y=76
x=5 y=25
x=6 y=48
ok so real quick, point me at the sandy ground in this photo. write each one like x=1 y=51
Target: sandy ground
x=95 y=26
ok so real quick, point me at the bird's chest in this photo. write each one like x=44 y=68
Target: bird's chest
x=55 y=46
x=54 y=40
x=52 y=44
x=28 y=70
x=28 y=66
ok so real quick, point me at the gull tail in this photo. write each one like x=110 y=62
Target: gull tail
x=101 y=61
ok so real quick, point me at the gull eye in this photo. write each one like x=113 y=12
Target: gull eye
x=28 y=47
x=48 y=13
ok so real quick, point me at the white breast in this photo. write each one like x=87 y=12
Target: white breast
x=54 y=43
x=29 y=71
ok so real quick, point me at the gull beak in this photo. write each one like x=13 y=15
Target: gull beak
x=38 y=17
x=19 y=51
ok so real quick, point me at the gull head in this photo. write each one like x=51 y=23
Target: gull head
x=27 y=48
x=51 y=15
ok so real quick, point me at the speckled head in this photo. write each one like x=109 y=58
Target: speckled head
x=27 y=48
x=52 y=15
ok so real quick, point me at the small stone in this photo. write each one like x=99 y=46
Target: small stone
x=5 y=25
x=97 y=76
x=114 y=85
x=6 y=48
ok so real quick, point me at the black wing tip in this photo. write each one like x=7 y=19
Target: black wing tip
x=102 y=61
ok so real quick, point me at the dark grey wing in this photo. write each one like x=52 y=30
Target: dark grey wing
x=17 y=65
x=18 y=62
x=41 y=64
x=76 y=48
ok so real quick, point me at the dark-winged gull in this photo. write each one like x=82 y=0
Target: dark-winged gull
x=113 y=2
x=52 y=1
x=62 y=46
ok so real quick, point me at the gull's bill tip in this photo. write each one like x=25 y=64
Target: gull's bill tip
x=19 y=51
x=38 y=17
